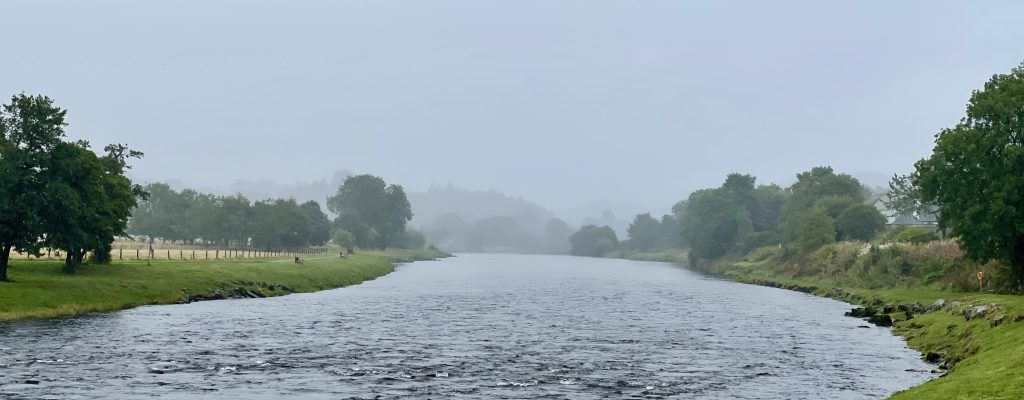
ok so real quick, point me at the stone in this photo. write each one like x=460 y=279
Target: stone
x=937 y=305
x=998 y=320
x=881 y=320
x=976 y=312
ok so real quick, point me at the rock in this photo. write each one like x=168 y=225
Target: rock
x=976 y=312
x=31 y=381
x=903 y=307
x=1018 y=318
x=918 y=308
x=907 y=315
x=870 y=312
x=881 y=320
x=937 y=305
x=932 y=357
x=856 y=312
x=888 y=309
x=998 y=320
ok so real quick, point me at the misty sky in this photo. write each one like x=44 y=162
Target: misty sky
x=563 y=103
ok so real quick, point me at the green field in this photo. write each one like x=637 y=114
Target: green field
x=39 y=290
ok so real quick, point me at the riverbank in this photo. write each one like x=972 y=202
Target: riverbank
x=40 y=290
x=975 y=339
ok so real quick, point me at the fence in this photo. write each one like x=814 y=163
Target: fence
x=134 y=253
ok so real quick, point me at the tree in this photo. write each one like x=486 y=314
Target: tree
x=644 y=232
x=859 y=222
x=593 y=241
x=344 y=239
x=278 y=224
x=375 y=212
x=30 y=128
x=157 y=215
x=556 y=236
x=816 y=229
x=974 y=174
x=318 y=227
x=88 y=199
x=810 y=187
x=905 y=199
x=412 y=239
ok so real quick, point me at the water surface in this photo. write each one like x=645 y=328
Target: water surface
x=475 y=326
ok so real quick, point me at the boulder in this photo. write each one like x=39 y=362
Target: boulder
x=976 y=312
x=998 y=320
x=881 y=320
x=857 y=312
x=937 y=305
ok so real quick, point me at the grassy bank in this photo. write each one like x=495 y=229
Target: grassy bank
x=977 y=337
x=39 y=289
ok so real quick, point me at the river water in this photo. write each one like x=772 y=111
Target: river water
x=475 y=326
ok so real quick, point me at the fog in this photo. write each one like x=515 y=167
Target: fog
x=576 y=106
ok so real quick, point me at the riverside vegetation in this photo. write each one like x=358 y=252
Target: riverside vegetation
x=60 y=198
x=952 y=288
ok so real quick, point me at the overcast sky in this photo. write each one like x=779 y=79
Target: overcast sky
x=563 y=103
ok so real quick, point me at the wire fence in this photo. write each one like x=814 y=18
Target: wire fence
x=181 y=253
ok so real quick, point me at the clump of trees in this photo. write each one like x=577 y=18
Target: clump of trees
x=593 y=241
x=59 y=194
x=822 y=207
x=230 y=221
x=374 y=212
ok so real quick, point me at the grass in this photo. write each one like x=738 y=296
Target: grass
x=39 y=290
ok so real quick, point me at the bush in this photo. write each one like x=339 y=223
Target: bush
x=912 y=234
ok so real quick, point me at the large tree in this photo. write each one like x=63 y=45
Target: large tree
x=30 y=128
x=375 y=212
x=975 y=174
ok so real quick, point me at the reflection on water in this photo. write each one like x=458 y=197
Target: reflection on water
x=476 y=326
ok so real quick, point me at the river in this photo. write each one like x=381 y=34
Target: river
x=474 y=326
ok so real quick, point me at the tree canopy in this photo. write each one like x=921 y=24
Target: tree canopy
x=373 y=211
x=974 y=174
x=56 y=193
x=593 y=241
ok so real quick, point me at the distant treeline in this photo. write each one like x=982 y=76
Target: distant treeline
x=192 y=217
x=820 y=208
x=973 y=183
x=371 y=214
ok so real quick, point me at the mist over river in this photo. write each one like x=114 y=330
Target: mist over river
x=474 y=326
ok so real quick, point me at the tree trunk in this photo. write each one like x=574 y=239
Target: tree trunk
x=1017 y=263
x=5 y=257
x=69 y=262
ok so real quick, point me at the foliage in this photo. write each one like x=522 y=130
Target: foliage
x=556 y=236
x=593 y=241
x=194 y=217
x=911 y=234
x=816 y=229
x=375 y=212
x=974 y=174
x=344 y=239
x=810 y=188
x=56 y=193
x=859 y=222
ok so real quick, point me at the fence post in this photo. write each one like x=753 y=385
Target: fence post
x=120 y=254
x=168 y=254
x=216 y=254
